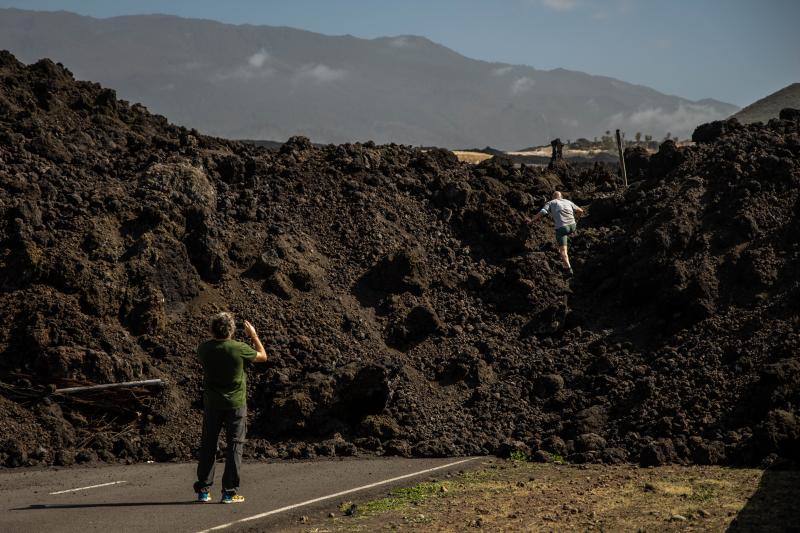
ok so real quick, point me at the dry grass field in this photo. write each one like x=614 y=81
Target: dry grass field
x=471 y=157
x=521 y=496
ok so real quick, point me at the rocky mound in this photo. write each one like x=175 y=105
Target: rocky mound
x=407 y=306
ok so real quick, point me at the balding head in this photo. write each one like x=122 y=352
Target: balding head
x=557 y=195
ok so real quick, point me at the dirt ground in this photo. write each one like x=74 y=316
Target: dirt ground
x=471 y=157
x=520 y=496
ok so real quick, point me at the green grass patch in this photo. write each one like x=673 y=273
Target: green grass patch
x=558 y=459
x=518 y=456
x=402 y=497
x=703 y=493
x=474 y=476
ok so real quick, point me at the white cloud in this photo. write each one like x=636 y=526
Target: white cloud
x=256 y=66
x=501 y=71
x=522 y=85
x=320 y=73
x=560 y=5
x=258 y=59
x=682 y=121
x=400 y=42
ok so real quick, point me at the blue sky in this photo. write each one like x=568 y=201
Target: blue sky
x=732 y=50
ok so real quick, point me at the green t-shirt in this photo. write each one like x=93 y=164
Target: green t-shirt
x=224 y=381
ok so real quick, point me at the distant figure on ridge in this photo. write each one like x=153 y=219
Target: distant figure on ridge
x=225 y=403
x=557 y=153
x=557 y=163
x=564 y=214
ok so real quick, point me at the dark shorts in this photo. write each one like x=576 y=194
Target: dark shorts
x=563 y=233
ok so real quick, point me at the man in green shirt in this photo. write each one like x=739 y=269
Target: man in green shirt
x=225 y=403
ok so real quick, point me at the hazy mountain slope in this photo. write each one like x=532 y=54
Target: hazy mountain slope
x=769 y=106
x=271 y=82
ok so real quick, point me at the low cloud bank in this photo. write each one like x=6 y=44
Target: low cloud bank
x=320 y=73
x=522 y=85
x=681 y=121
x=261 y=65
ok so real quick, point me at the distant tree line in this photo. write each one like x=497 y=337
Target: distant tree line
x=607 y=141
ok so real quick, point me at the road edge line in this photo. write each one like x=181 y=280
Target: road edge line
x=335 y=495
x=85 y=488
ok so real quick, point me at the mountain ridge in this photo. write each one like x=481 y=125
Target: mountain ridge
x=768 y=107
x=271 y=82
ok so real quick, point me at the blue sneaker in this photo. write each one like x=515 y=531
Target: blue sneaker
x=231 y=497
x=203 y=496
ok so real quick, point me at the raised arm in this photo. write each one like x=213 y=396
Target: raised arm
x=540 y=212
x=578 y=211
x=251 y=332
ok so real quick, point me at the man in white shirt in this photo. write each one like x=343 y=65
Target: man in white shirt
x=564 y=215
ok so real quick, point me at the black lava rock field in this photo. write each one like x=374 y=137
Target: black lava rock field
x=408 y=306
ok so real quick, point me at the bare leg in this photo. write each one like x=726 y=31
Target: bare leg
x=564 y=256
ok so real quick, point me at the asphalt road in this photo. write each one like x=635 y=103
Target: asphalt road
x=159 y=497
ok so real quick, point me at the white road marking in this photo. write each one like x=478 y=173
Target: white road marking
x=89 y=487
x=336 y=495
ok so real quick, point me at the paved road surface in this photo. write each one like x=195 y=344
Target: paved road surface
x=158 y=497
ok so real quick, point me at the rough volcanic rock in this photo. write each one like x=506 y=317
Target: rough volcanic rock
x=408 y=307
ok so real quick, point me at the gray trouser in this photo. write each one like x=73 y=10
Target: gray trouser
x=235 y=422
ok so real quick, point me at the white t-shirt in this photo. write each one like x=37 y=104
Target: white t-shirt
x=562 y=211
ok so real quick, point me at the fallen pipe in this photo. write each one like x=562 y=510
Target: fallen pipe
x=144 y=383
